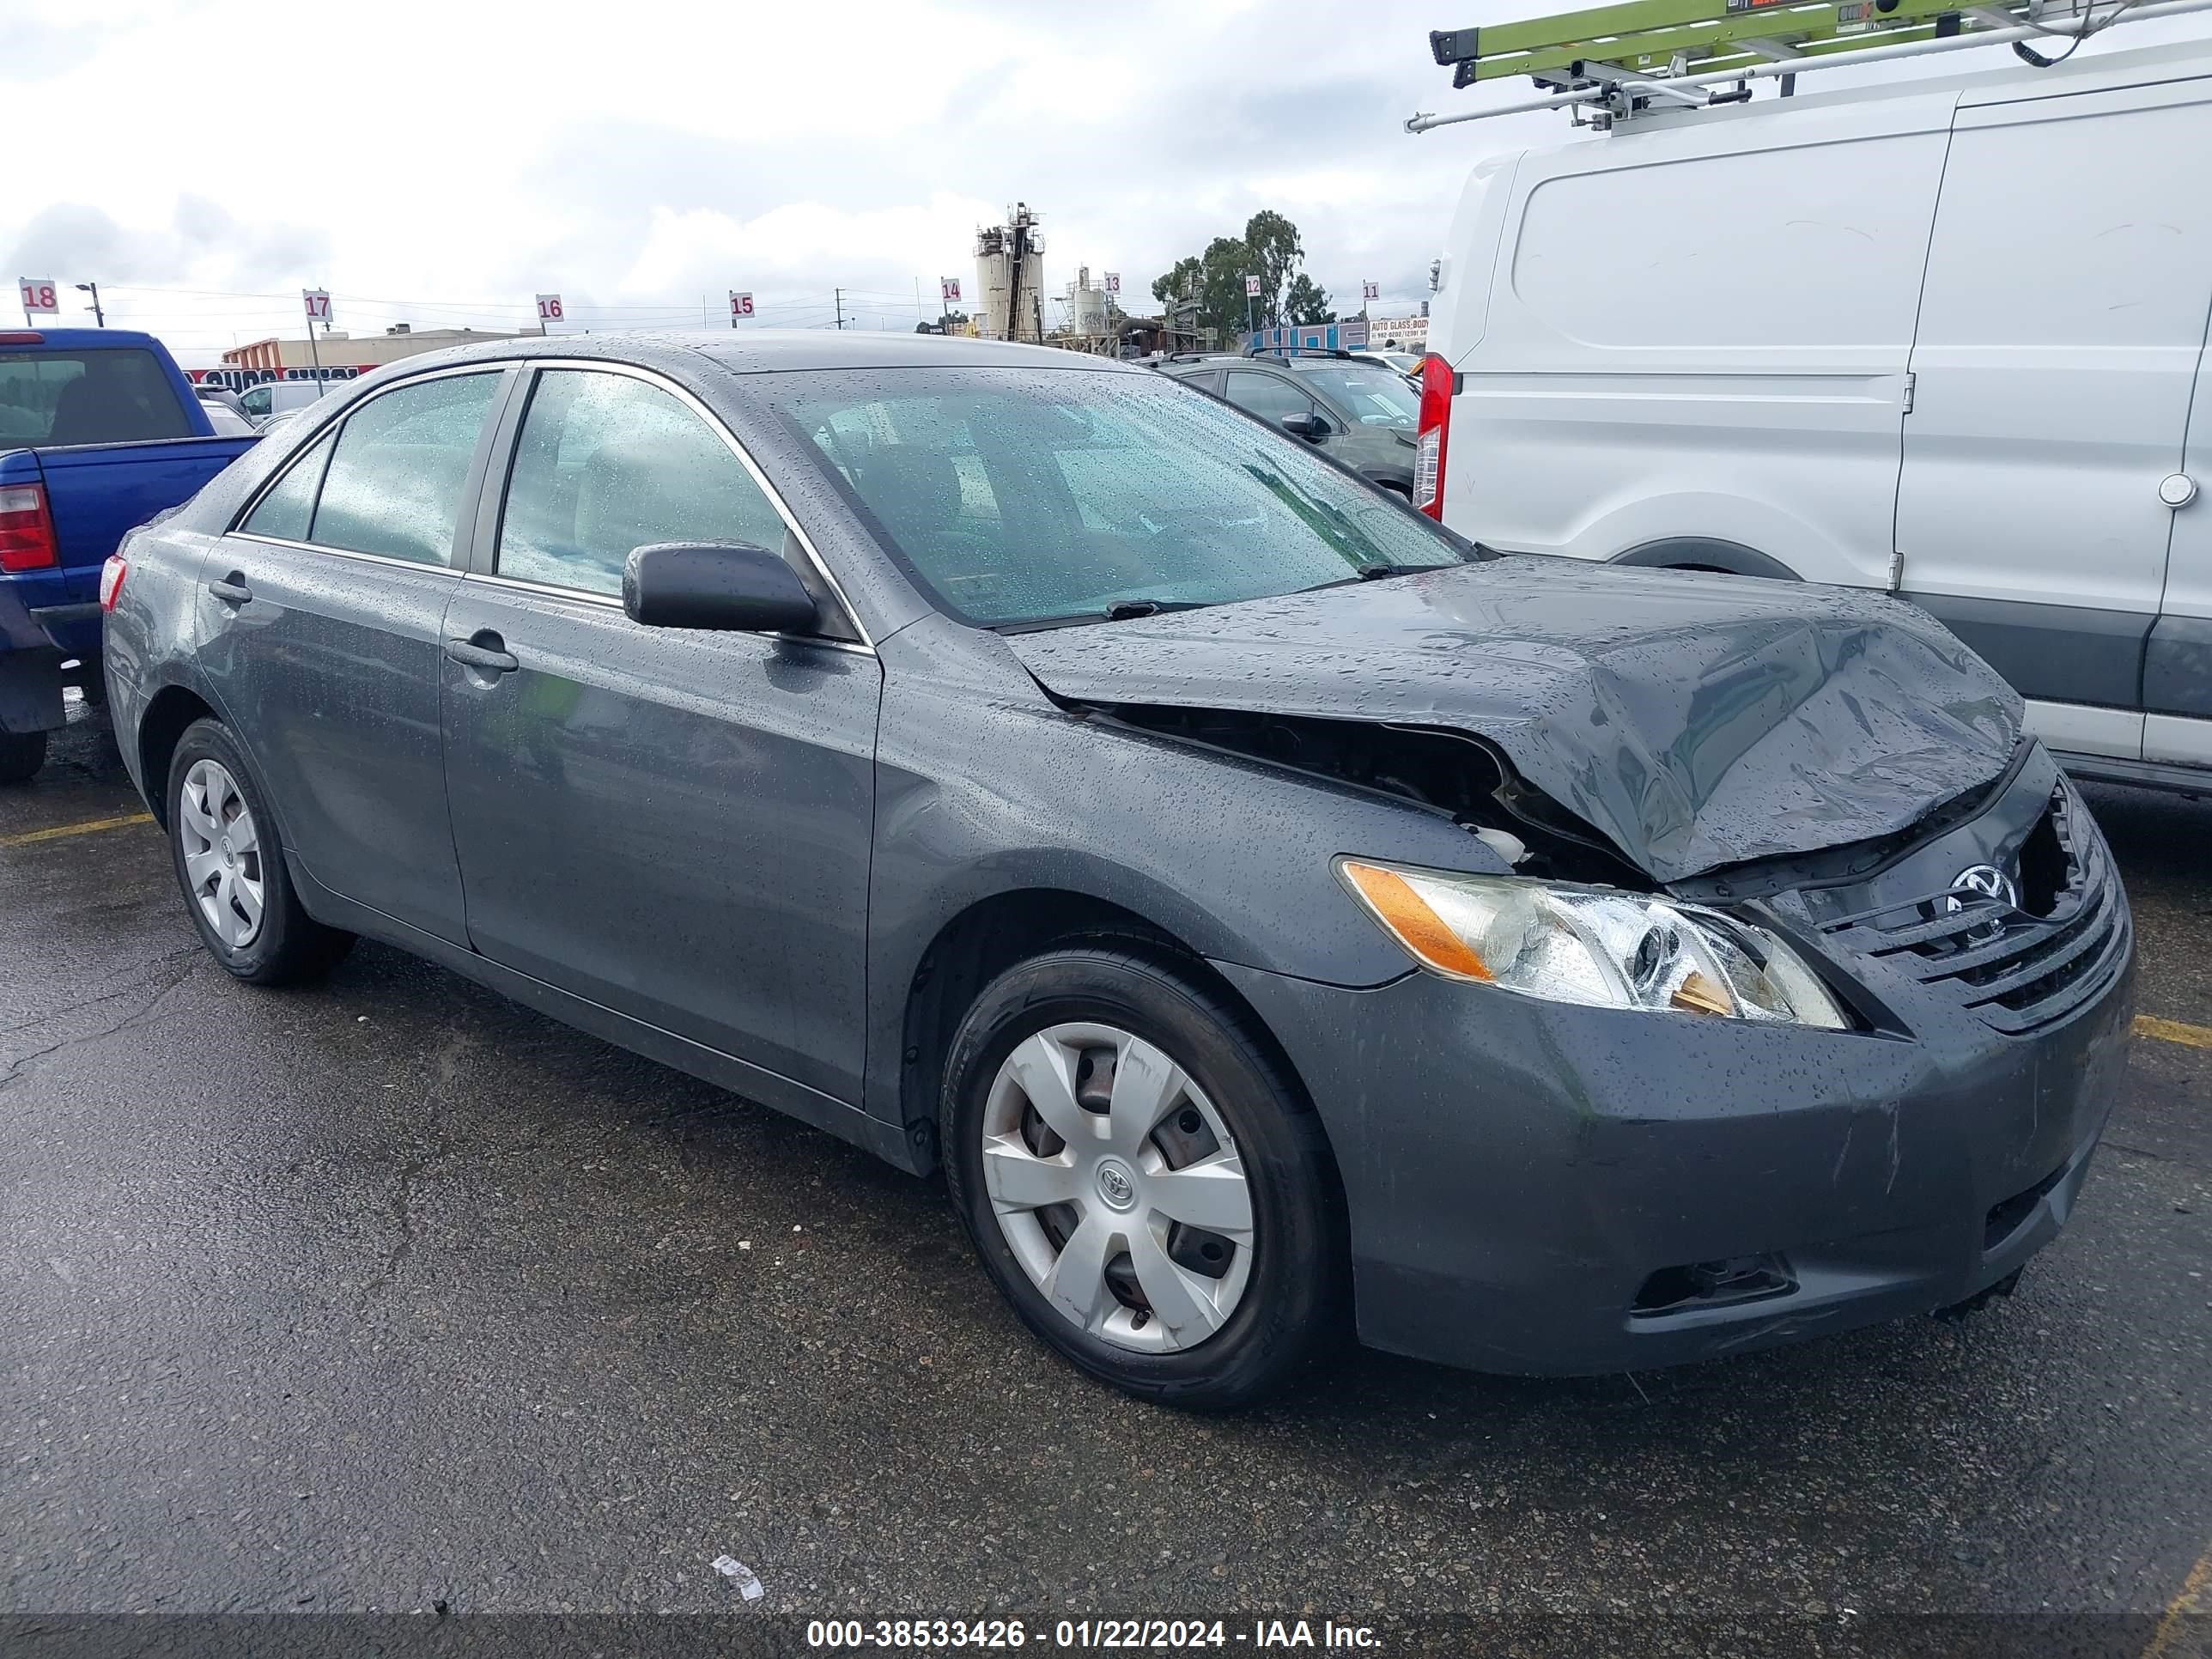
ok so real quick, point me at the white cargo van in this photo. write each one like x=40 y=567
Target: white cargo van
x=1942 y=339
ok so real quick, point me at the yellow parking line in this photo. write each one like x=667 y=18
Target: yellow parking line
x=91 y=825
x=2184 y=1603
x=2172 y=1030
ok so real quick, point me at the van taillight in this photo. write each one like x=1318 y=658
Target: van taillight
x=111 y=580
x=1437 y=383
x=27 y=530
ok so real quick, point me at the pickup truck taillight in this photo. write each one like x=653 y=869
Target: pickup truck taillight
x=111 y=580
x=26 y=529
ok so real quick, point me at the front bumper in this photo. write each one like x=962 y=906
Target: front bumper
x=1517 y=1171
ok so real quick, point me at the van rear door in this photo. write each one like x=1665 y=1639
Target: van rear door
x=2060 y=332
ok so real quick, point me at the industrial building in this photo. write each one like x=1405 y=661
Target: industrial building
x=368 y=351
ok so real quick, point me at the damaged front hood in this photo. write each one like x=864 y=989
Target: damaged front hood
x=1695 y=720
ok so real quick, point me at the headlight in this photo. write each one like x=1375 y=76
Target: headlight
x=1596 y=946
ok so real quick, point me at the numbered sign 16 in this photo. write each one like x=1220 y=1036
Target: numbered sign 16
x=41 y=294
x=741 y=305
x=548 y=308
x=318 y=304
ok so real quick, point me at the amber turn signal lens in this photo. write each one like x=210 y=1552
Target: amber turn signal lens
x=1418 y=928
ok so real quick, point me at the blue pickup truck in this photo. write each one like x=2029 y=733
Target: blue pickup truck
x=100 y=431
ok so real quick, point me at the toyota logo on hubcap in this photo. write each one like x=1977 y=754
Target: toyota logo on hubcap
x=1988 y=881
x=1116 y=1186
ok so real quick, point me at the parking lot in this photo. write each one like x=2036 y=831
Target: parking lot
x=390 y=1296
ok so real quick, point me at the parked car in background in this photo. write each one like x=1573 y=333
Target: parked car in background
x=1256 y=897
x=270 y=398
x=1358 y=413
x=1839 y=337
x=1405 y=362
x=98 y=431
x=227 y=421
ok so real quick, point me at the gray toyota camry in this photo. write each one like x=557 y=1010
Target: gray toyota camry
x=1275 y=915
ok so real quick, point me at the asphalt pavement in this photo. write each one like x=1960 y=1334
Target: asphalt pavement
x=389 y=1295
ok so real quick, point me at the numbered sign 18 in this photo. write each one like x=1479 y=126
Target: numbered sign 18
x=41 y=295
x=741 y=305
x=548 y=308
x=318 y=304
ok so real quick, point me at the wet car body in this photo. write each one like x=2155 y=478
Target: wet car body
x=889 y=813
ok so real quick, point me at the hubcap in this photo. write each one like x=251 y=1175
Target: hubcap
x=223 y=852
x=1118 y=1188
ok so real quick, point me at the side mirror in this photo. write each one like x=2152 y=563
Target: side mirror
x=1309 y=426
x=723 y=585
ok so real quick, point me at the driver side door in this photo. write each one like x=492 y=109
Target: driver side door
x=671 y=823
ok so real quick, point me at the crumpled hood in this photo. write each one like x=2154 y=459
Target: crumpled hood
x=1696 y=720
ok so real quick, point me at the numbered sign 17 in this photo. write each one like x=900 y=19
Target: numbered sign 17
x=741 y=305
x=548 y=308
x=317 y=302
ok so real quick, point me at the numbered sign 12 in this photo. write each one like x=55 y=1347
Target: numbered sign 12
x=549 y=309
x=41 y=296
x=1251 y=287
x=741 y=305
x=317 y=302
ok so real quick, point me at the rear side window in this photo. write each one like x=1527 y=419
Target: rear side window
x=395 y=480
x=606 y=464
x=103 y=397
x=288 y=511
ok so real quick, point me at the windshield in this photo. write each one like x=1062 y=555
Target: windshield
x=1371 y=394
x=105 y=396
x=1019 y=496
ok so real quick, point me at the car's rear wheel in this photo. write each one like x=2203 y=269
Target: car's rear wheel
x=229 y=860
x=21 y=754
x=1143 y=1182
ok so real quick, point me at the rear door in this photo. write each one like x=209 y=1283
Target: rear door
x=319 y=630
x=2060 y=332
x=671 y=823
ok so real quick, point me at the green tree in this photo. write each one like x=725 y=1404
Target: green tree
x=1223 y=270
x=1307 y=302
x=1168 y=287
x=1276 y=251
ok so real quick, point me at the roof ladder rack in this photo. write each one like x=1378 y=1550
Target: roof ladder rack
x=1613 y=62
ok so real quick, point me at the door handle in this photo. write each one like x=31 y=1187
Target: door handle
x=231 y=589
x=483 y=652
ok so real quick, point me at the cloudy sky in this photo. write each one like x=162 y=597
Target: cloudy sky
x=440 y=161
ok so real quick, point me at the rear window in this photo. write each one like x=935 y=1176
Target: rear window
x=102 y=397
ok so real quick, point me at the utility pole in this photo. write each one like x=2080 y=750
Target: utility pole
x=99 y=317
x=839 y=294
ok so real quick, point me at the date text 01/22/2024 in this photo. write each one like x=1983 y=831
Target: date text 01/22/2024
x=1086 y=1633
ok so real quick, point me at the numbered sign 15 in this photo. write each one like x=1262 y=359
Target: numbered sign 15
x=548 y=308
x=41 y=294
x=741 y=305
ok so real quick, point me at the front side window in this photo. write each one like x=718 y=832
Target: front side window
x=258 y=402
x=606 y=464
x=1371 y=396
x=288 y=511
x=1028 y=497
x=397 y=477
x=1266 y=396
x=99 y=396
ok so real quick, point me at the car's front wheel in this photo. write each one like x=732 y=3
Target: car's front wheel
x=1143 y=1183
x=230 y=862
x=21 y=754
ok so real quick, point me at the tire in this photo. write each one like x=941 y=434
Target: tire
x=1253 y=1303
x=21 y=754
x=237 y=889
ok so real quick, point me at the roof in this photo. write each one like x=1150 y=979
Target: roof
x=81 y=339
x=756 y=351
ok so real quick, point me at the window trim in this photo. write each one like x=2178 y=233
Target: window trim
x=502 y=369
x=492 y=501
